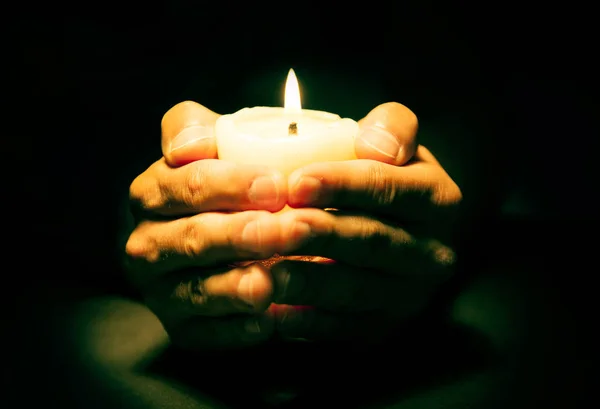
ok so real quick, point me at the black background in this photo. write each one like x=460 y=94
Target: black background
x=512 y=83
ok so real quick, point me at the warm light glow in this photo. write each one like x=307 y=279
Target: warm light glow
x=292 y=93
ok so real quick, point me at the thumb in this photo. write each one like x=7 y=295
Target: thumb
x=188 y=133
x=388 y=134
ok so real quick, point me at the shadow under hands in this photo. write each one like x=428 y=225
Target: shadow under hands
x=425 y=356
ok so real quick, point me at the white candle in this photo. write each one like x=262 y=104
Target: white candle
x=285 y=138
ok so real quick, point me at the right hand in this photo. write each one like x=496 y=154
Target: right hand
x=192 y=221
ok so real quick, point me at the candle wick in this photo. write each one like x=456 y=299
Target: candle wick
x=293 y=129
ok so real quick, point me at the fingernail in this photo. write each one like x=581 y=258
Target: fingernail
x=293 y=317
x=305 y=190
x=282 y=281
x=300 y=233
x=264 y=191
x=252 y=325
x=245 y=289
x=289 y=288
x=251 y=234
x=380 y=140
x=191 y=134
x=258 y=325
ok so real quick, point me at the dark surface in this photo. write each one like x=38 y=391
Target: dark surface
x=505 y=100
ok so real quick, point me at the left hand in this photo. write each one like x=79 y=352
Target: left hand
x=384 y=247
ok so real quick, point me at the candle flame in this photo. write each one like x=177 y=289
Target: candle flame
x=292 y=93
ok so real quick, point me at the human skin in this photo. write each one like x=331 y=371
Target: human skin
x=378 y=256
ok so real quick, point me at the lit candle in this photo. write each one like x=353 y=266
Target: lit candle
x=285 y=138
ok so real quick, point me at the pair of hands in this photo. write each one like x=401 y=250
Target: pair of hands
x=361 y=268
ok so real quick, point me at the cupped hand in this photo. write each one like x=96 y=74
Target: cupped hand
x=383 y=245
x=192 y=220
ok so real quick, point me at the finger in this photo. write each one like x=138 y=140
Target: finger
x=317 y=325
x=333 y=286
x=188 y=133
x=388 y=134
x=207 y=185
x=369 y=243
x=177 y=296
x=417 y=191
x=201 y=333
x=208 y=239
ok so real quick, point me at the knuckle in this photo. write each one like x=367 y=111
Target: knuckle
x=369 y=231
x=140 y=249
x=374 y=238
x=144 y=194
x=195 y=187
x=443 y=257
x=192 y=293
x=447 y=194
x=380 y=187
x=379 y=245
x=135 y=190
x=195 y=240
